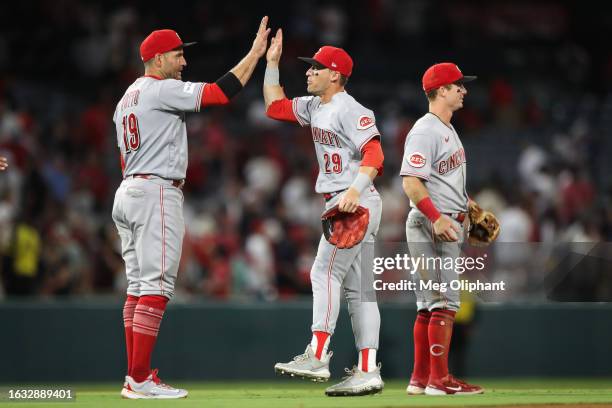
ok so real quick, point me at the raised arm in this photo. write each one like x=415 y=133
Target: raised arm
x=271 y=89
x=226 y=87
x=246 y=66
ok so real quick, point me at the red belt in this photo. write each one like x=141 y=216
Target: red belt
x=329 y=196
x=459 y=217
x=175 y=183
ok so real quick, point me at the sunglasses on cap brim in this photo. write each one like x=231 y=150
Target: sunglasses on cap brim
x=313 y=63
x=318 y=67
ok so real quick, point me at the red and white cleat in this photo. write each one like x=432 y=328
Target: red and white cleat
x=151 y=388
x=416 y=387
x=126 y=392
x=450 y=385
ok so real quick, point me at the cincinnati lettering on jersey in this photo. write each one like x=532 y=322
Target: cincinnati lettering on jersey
x=325 y=137
x=455 y=160
x=130 y=99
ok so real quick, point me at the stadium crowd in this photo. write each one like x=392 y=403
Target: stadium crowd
x=535 y=129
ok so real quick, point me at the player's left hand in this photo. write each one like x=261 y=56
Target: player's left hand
x=260 y=43
x=484 y=226
x=3 y=163
x=349 y=201
x=276 y=48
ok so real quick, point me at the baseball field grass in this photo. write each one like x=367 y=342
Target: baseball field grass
x=283 y=393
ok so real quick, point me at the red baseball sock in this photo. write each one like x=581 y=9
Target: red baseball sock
x=440 y=332
x=147 y=319
x=128 y=317
x=367 y=360
x=319 y=343
x=420 y=371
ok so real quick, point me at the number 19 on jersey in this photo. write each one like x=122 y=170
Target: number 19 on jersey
x=131 y=133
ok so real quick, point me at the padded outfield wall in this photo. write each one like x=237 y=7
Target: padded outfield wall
x=83 y=341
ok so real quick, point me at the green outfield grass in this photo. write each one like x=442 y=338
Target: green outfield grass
x=297 y=393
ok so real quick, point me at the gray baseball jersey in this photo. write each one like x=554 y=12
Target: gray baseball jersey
x=148 y=209
x=150 y=124
x=340 y=129
x=434 y=153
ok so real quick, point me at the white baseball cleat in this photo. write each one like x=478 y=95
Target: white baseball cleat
x=306 y=366
x=125 y=391
x=357 y=383
x=151 y=388
x=415 y=387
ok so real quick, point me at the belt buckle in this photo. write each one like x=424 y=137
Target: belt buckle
x=459 y=217
x=329 y=196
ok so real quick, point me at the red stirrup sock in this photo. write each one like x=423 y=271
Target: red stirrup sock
x=420 y=370
x=320 y=343
x=128 y=316
x=440 y=332
x=147 y=319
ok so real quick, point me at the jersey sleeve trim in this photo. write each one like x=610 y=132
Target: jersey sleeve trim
x=199 y=100
x=407 y=173
x=294 y=107
x=367 y=140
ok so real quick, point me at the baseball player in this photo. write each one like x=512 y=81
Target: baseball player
x=148 y=207
x=434 y=174
x=3 y=163
x=347 y=145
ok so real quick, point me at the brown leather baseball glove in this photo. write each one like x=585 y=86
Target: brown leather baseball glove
x=484 y=227
x=343 y=229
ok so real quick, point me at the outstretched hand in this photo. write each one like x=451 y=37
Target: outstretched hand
x=3 y=163
x=261 y=39
x=276 y=47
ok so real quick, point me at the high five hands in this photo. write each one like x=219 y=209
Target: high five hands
x=260 y=43
x=276 y=48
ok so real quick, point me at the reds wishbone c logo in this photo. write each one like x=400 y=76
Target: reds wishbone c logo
x=364 y=122
x=433 y=352
x=417 y=159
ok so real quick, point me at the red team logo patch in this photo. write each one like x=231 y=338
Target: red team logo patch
x=365 y=122
x=417 y=160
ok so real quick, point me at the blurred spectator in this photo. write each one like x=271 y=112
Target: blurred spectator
x=21 y=260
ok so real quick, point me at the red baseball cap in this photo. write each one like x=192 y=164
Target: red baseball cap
x=333 y=58
x=159 y=42
x=442 y=74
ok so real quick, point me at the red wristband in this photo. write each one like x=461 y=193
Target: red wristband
x=427 y=207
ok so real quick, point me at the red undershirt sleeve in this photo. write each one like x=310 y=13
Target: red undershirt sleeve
x=213 y=95
x=372 y=155
x=282 y=109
